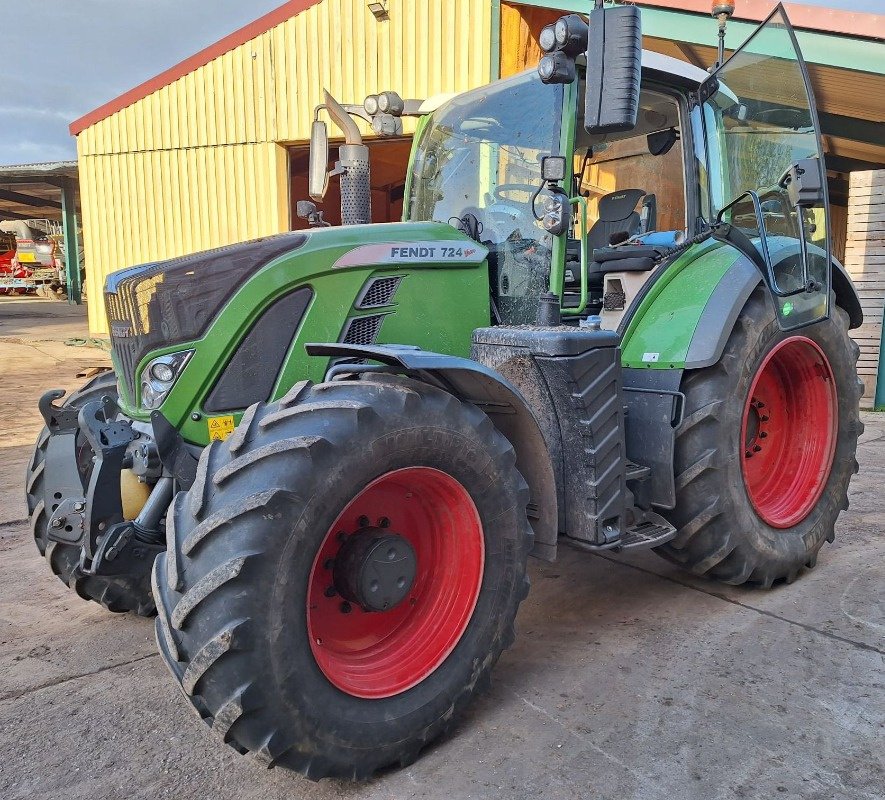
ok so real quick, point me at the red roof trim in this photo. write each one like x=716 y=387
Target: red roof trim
x=261 y=25
x=815 y=18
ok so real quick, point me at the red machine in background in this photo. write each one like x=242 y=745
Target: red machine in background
x=31 y=260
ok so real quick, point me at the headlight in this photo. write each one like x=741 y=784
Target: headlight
x=159 y=376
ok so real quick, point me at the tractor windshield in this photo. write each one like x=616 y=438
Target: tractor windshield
x=477 y=165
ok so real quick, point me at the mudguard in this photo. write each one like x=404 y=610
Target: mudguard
x=684 y=320
x=498 y=398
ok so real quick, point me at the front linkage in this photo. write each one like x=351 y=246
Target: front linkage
x=86 y=452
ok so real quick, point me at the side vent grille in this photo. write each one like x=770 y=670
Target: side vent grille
x=363 y=330
x=378 y=292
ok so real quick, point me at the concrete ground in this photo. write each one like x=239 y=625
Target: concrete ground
x=629 y=678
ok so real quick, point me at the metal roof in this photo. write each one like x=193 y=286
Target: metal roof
x=261 y=25
x=33 y=191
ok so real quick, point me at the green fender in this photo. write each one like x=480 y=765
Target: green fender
x=684 y=319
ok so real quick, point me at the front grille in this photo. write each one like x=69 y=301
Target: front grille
x=126 y=346
x=378 y=292
x=363 y=330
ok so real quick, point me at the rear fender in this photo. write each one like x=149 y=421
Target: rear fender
x=499 y=400
x=685 y=319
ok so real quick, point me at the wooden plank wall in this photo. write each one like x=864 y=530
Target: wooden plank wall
x=865 y=262
x=520 y=27
x=838 y=229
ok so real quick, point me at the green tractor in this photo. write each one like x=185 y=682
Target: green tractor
x=609 y=319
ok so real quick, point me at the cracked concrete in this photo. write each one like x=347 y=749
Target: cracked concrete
x=629 y=678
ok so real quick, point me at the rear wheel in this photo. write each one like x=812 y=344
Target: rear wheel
x=766 y=450
x=119 y=593
x=344 y=573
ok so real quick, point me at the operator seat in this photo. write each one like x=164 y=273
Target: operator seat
x=617 y=214
x=617 y=217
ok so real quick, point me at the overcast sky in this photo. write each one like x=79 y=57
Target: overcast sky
x=62 y=58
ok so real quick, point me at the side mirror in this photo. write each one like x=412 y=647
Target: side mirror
x=614 y=64
x=318 y=174
x=305 y=209
x=803 y=183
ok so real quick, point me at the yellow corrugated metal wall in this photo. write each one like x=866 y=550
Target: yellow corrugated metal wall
x=201 y=162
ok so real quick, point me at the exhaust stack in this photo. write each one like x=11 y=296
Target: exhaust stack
x=353 y=166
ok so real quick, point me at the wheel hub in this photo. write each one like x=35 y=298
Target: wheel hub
x=375 y=569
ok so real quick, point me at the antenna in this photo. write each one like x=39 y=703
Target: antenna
x=722 y=10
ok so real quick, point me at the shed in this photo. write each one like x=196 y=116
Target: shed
x=210 y=151
x=213 y=150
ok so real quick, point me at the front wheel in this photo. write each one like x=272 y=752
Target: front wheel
x=766 y=449
x=344 y=573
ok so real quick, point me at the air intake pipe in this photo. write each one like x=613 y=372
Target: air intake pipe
x=353 y=166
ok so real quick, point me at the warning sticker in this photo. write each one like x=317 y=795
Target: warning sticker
x=220 y=427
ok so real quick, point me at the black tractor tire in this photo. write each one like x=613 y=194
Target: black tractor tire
x=247 y=540
x=119 y=594
x=721 y=535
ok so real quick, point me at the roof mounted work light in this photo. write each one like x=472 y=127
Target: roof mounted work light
x=562 y=42
x=547 y=38
x=557 y=68
x=570 y=33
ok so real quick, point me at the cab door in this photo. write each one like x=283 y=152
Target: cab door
x=766 y=166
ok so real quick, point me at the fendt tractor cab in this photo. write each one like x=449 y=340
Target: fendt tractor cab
x=610 y=319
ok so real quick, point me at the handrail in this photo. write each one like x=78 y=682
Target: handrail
x=582 y=304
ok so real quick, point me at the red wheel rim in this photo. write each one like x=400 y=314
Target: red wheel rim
x=789 y=432
x=375 y=654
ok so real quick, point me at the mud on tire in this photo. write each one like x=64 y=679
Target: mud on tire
x=720 y=533
x=119 y=593
x=232 y=587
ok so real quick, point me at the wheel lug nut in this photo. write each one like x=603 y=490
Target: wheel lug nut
x=764 y=418
x=756 y=448
x=346 y=608
x=748 y=454
x=341 y=535
x=330 y=591
x=383 y=522
x=763 y=435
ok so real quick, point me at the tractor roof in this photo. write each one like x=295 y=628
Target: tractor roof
x=667 y=65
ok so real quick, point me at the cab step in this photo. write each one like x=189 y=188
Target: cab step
x=653 y=531
x=637 y=472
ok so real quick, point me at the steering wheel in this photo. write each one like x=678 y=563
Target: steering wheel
x=504 y=189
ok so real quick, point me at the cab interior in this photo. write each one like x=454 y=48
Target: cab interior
x=634 y=186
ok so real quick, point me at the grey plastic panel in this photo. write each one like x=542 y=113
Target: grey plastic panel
x=721 y=312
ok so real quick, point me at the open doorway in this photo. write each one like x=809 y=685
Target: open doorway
x=389 y=159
